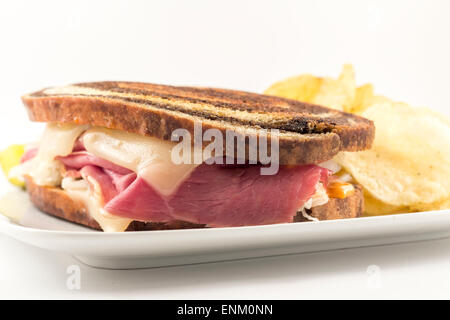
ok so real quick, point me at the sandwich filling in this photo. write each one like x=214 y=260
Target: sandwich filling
x=121 y=177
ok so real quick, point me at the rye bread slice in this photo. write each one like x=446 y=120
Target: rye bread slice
x=308 y=133
x=57 y=202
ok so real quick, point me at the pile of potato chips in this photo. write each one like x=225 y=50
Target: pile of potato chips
x=408 y=167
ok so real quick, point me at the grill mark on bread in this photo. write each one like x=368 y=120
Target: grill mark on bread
x=304 y=124
x=242 y=101
x=243 y=104
x=296 y=124
x=308 y=133
x=219 y=98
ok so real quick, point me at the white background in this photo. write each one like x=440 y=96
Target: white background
x=402 y=47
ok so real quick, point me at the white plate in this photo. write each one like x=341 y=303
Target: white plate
x=175 y=247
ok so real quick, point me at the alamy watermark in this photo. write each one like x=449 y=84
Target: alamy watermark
x=73 y=281
x=232 y=148
x=373 y=280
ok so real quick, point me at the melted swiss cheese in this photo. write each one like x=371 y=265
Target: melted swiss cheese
x=149 y=157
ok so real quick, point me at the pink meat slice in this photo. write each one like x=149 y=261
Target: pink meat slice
x=215 y=195
x=77 y=160
x=219 y=196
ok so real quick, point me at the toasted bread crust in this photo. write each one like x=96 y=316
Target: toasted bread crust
x=57 y=202
x=308 y=133
x=336 y=208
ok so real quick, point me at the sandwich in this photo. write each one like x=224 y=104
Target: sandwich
x=128 y=156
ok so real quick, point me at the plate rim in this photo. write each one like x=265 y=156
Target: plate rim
x=4 y=220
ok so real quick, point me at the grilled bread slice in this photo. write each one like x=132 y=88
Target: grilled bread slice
x=57 y=202
x=307 y=133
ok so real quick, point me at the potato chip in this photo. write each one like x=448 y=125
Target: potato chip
x=408 y=168
x=337 y=93
x=302 y=88
x=348 y=82
x=409 y=163
x=374 y=207
x=440 y=205
x=333 y=93
x=364 y=97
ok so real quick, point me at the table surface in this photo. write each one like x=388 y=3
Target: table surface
x=411 y=270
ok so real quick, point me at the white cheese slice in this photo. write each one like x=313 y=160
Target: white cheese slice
x=57 y=140
x=149 y=157
x=79 y=190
